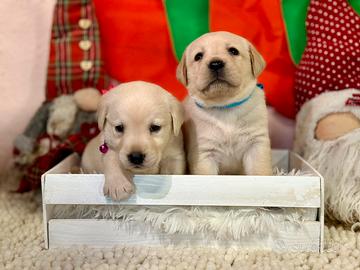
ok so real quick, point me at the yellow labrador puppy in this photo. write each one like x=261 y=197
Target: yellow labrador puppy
x=140 y=126
x=226 y=128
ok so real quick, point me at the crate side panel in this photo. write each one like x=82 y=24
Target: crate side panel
x=108 y=233
x=297 y=162
x=277 y=191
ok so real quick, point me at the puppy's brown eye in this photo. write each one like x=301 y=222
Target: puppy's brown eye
x=233 y=51
x=198 y=56
x=119 y=128
x=154 y=128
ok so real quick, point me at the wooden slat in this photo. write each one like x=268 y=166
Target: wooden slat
x=297 y=162
x=279 y=159
x=108 y=233
x=63 y=167
x=280 y=191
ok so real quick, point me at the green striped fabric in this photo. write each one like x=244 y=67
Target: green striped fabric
x=294 y=13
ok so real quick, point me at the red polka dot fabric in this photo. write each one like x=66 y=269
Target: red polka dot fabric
x=331 y=60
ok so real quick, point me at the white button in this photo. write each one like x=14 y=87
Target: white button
x=86 y=65
x=84 y=23
x=85 y=45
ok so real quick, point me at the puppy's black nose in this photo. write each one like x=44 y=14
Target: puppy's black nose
x=136 y=158
x=216 y=65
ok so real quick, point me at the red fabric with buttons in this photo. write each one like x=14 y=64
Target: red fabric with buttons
x=331 y=61
x=65 y=74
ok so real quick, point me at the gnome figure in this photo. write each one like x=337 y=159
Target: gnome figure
x=327 y=97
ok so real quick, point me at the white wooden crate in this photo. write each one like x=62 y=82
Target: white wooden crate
x=59 y=187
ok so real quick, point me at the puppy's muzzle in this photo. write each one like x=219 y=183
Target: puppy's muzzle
x=216 y=65
x=136 y=158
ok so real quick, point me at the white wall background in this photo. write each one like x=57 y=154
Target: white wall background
x=25 y=27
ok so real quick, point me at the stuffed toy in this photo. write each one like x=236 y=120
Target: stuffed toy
x=53 y=122
x=66 y=120
x=60 y=127
x=75 y=60
x=327 y=96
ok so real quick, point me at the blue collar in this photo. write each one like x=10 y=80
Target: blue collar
x=232 y=105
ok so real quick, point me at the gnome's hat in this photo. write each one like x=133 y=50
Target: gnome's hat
x=331 y=58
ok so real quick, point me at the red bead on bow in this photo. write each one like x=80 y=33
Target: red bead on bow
x=104 y=91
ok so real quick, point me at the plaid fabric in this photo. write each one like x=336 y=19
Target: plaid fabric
x=65 y=74
x=74 y=143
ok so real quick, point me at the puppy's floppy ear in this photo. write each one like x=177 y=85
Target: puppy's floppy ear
x=102 y=111
x=177 y=113
x=256 y=60
x=181 y=71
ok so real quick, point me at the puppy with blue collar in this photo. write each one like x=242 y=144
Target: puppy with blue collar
x=226 y=127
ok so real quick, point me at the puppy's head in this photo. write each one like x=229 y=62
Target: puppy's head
x=217 y=66
x=137 y=120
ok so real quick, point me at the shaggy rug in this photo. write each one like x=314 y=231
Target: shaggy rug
x=22 y=247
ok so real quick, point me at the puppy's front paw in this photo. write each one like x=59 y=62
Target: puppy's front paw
x=118 y=190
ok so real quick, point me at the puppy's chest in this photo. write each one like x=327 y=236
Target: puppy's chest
x=227 y=144
x=227 y=138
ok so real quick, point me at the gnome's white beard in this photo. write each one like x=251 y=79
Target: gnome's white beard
x=339 y=163
x=337 y=160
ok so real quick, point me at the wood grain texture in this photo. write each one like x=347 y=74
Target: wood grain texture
x=276 y=191
x=108 y=233
x=63 y=167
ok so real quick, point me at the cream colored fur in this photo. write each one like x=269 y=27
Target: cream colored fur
x=225 y=141
x=136 y=106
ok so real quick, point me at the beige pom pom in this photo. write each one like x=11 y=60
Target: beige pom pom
x=87 y=99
